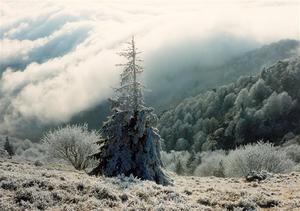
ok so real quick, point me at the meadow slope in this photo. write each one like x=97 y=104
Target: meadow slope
x=30 y=186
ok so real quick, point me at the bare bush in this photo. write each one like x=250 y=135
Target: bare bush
x=256 y=157
x=73 y=143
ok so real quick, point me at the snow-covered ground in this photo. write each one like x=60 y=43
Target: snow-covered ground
x=26 y=186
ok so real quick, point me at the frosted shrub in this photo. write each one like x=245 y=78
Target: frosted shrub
x=256 y=157
x=212 y=164
x=293 y=152
x=72 y=143
x=26 y=144
x=26 y=150
x=176 y=161
x=31 y=154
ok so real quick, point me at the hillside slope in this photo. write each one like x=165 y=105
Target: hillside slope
x=26 y=186
x=254 y=107
x=171 y=88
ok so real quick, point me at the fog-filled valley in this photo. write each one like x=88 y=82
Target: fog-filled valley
x=197 y=73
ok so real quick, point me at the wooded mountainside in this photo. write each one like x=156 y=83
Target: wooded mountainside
x=264 y=107
x=170 y=88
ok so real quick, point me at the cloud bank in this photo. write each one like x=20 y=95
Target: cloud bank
x=58 y=58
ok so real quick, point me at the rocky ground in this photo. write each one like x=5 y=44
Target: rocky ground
x=33 y=186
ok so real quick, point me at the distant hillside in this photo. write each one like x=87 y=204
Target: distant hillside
x=254 y=107
x=252 y=62
x=168 y=92
x=194 y=80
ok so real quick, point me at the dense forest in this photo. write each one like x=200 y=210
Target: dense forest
x=263 y=107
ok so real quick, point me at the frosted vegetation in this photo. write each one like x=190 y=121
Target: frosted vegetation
x=25 y=149
x=250 y=127
x=219 y=163
x=74 y=144
x=214 y=134
x=175 y=83
x=257 y=157
x=24 y=186
x=130 y=142
x=170 y=82
x=235 y=163
x=264 y=107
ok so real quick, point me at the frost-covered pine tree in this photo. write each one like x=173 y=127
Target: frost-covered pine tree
x=130 y=144
x=8 y=147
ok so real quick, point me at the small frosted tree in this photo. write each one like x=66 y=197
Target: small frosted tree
x=131 y=144
x=8 y=147
x=73 y=143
